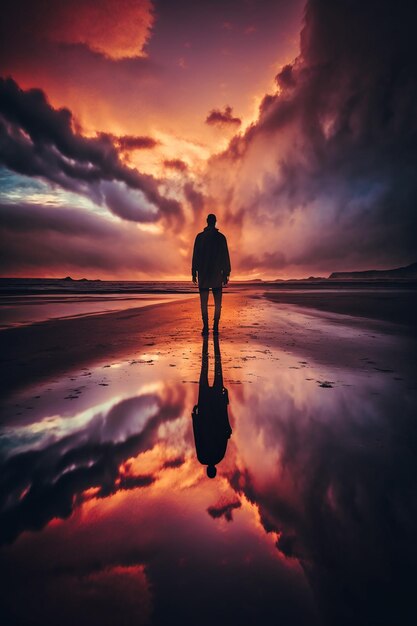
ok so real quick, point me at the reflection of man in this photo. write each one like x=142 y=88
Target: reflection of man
x=211 y=263
x=210 y=420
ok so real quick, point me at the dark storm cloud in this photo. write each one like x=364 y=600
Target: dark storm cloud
x=337 y=143
x=221 y=118
x=39 y=485
x=38 y=140
x=58 y=238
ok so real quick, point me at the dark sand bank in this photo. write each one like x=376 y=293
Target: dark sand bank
x=396 y=306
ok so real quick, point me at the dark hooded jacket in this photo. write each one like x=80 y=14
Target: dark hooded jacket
x=211 y=261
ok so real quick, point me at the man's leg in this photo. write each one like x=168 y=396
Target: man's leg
x=204 y=384
x=217 y=293
x=218 y=374
x=204 y=294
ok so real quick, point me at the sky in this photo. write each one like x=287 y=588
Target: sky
x=123 y=123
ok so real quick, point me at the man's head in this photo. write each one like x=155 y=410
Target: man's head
x=211 y=219
x=211 y=471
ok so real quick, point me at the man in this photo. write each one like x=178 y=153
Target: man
x=211 y=264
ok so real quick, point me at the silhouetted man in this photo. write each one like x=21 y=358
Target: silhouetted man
x=211 y=263
x=210 y=420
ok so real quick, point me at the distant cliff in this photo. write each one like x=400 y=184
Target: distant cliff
x=400 y=272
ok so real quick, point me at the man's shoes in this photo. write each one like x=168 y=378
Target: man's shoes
x=205 y=331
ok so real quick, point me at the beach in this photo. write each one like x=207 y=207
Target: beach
x=105 y=500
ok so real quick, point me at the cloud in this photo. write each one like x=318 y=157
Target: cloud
x=114 y=28
x=46 y=240
x=285 y=77
x=49 y=482
x=268 y=260
x=325 y=173
x=38 y=140
x=196 y=199
x=175 y=462
x=132 y=142
x=129 y=204
x=176 y=164
x=216 y=117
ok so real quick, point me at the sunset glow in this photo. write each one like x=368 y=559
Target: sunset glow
x=123 y=123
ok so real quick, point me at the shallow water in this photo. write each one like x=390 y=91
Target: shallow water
x=109 y=518
x=26 y=310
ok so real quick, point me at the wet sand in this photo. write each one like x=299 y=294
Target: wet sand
x=396 y=306
x=25 y=310
x=34 y=352
x=107 y=516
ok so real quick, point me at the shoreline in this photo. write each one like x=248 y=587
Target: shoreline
x=51 y=286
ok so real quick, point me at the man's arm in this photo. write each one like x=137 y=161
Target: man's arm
x=194 y=263
x=226 y=263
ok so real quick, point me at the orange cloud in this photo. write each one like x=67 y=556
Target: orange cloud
x=114 y=28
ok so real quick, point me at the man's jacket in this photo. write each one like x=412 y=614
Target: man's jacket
x=211 y=261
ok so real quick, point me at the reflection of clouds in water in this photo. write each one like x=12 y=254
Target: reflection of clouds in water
x=333 y=473
x=313 y=477
x=224 y=509
x=116 y=594
x=190 y=560
x=38 y=485
x=53 y=427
